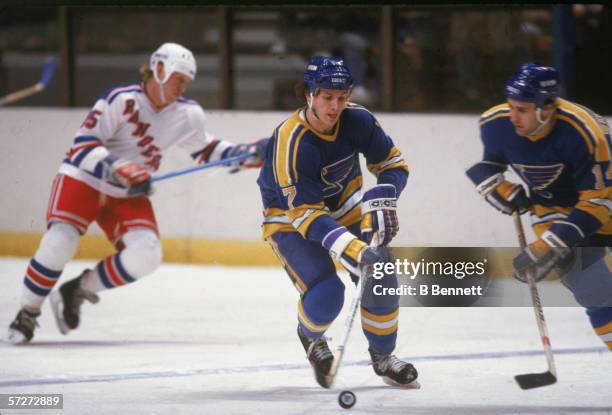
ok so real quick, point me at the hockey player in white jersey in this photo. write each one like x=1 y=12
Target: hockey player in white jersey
x=105 y=177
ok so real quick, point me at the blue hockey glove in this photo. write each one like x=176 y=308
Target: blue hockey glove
x=379 y=215
x=539 y=258
x=258 y=149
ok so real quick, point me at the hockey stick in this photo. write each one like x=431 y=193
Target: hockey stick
x=348 y=325
x=204 y=166
x=144 y=187
x=48 y=70
x=535 y=380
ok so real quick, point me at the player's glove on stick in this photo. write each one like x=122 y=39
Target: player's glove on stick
x=128 y=174
x=354 y=254
x=258 y=149
x=509 y=197
x=379 y=215
x=503 y=195
x=540 y=258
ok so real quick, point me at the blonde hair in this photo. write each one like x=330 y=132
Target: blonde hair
x=145 y=72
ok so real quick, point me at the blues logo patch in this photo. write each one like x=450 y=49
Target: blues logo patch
x=539 y=177
x=335 y=174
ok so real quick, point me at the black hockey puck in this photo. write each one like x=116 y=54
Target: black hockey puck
x=347 y=399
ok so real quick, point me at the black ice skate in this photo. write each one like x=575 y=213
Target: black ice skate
x=320 y=357
x=66 y=303
x=395 y=372
x=22 y=328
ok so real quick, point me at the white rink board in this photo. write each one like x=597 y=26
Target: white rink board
x=213 y=340
x=439 y=207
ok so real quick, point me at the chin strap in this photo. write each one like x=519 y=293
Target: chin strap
x=309 y=102
x=542 y=123
x=161 y=83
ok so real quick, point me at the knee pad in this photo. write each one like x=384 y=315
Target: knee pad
x=323 y=301
x=142 y=253
x=57 y=246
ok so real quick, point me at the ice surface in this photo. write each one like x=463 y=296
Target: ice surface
x=221 y=340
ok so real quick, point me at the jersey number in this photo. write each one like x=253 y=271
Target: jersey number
x=600 y=180
x=92 y=119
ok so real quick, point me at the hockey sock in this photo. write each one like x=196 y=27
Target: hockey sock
x=56 y=248
x=380 y=328
x=320 y=306
x=601 y=320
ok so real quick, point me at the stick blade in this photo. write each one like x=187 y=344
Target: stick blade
x=535 y=380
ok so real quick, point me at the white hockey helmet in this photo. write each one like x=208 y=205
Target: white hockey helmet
x=176 y=58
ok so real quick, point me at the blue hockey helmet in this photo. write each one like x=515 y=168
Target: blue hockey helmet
x=327 y=73
x=533 y=83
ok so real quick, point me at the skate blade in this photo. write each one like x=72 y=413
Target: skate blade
x=57 y=306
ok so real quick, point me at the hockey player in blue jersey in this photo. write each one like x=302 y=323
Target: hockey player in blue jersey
x=314 y=212
x=562 y=151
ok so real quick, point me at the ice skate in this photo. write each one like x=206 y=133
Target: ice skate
x=394 y=371
x=66 y=303
x=320 y=358
x=22 y=328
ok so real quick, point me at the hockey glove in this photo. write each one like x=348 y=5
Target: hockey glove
x=128 y=174
x=379 y=215
x=503 y=195
x=354 y=254
x=509 y=197
x=540 y=258
x=257 y=149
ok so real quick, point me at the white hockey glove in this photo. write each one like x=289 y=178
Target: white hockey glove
x=128 y=174
x=509 y=197
x=354 y=254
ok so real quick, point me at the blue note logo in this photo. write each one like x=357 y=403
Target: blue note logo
x=539 y=177
x=334 y=174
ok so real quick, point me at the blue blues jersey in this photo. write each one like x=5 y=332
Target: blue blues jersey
x=566 y=167
x=311 y=182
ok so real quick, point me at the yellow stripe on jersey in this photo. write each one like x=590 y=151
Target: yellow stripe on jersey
x=302 y=216
x=392 y=161
x=269 y=229
x=352 y=217
x=285 y=157
x=546 y=215
x=326 y=137
x=501 y=110
x=350 y=188
x=589 y=125
x=597 y=203
x=580 y=130
x=295 y=278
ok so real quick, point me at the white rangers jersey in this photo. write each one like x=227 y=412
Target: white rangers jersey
x=124 y=124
